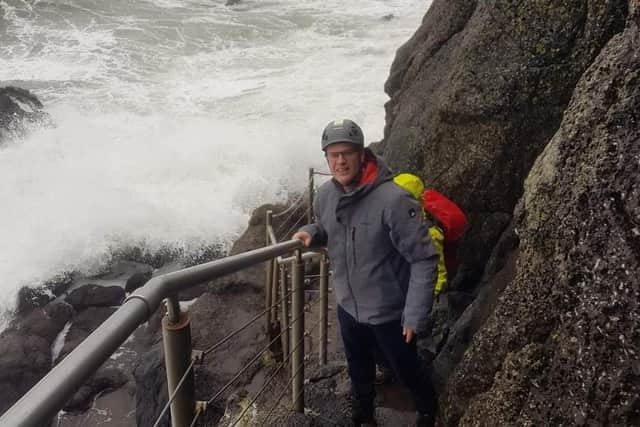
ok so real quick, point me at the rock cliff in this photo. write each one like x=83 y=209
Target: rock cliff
x=527 y=114
x=477 y=93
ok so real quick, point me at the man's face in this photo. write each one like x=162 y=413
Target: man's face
x=344 y=161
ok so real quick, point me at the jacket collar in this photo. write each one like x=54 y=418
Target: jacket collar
x=373 y=173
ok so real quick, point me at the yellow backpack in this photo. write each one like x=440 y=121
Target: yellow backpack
x=415 y=187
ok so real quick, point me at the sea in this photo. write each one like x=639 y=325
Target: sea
x=174 y=119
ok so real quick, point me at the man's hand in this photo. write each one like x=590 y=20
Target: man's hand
x=408 y=334
x=304 y=236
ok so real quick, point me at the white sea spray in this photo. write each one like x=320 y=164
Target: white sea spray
x=175 y=119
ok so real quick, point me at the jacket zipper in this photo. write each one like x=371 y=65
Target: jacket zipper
x=355 y=303
x=353 y=244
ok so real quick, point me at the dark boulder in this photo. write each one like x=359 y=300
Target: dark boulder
x=30 y=298
x=151 y=387
x=561 y=346
x=95 y=296
x=477 y=93
x=38 y=296
x=25 y=359
x=104 y=380
x=26 y=350
x=84 y=322
x=135 y=274
x=130 y=274
x=59 y=312
x=47 y=322
x=465 y=313
x=19 y=109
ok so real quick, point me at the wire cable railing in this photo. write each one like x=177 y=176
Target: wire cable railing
x=288 y=326
x=291 y=209
x=291 y=410
x=50 y=394
x=199 y=412
x=174 y=394
x=293 y=376
x=246 y=325
x=250 y=363
x=281 y=395
x=270 y=380
x=288 y=309
x=293 y=227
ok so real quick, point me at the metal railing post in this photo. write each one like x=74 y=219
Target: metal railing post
x=176 y=337
x=284 y=315
x=269 y=273
x=310 y=200
x=324 y=307
x=50 y=394
x=297 y=333
x=274 y=294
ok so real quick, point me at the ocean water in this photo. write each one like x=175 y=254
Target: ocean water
x=174 y=119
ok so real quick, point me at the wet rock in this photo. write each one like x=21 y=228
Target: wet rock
x=324 y=372
x=476 y=94
x=19 y=109
x=59 y=312
x=466 y=313
x=254 y=237
x=38 y=296
x=151 y=388
x=95 y=296
x=561 y=344
x=26 y=350
x=105 y=379
x=25 y=359
x=30 y=298
x=84 y=322
x=40 y=323
x=130 y=273
x=238 y=410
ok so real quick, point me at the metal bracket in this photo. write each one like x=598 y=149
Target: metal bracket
x=201 y=406
x=197 y=356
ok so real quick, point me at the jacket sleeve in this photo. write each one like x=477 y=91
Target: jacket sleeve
x=318 y=234
x=409 y=233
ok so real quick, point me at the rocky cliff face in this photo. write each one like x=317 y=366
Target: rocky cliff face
x=534 y=106
x=478 y=92
x=562 y=347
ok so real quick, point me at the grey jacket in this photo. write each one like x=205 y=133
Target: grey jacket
x=384 y=265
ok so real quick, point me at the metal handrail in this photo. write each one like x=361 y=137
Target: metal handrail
x=50 y=394
x=305 y=256
x=282 y=260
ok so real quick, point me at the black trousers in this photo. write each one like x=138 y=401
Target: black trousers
x=360 y=341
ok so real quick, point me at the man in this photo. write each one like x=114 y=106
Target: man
x=384 y=267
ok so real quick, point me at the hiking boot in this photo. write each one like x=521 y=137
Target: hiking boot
x=424 y=420
x=383 y=375
x=362 y=414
